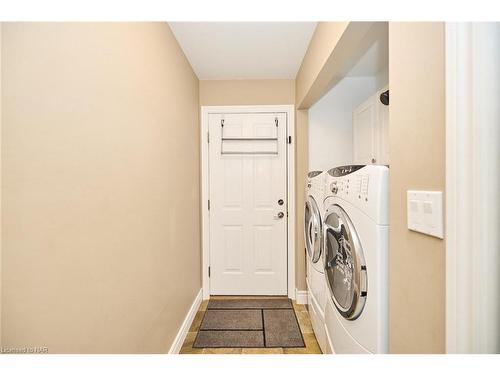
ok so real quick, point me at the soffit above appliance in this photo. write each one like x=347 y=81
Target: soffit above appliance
x=376 y=56
x=244 y=50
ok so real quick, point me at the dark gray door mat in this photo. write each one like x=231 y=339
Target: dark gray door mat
x=282 y=329
x=249 y=323
x=232 y=320
x=229 y=339
x=271 y=303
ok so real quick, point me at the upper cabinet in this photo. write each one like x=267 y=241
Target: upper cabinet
x=370 y=131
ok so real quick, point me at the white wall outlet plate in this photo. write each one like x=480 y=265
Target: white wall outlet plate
x=425 y=212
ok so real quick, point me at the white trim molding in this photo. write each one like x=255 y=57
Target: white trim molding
x=205 y=192
x=472 y=186
x=301 y=297
x=176 y=346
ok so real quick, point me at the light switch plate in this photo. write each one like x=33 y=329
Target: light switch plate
x=425 y=212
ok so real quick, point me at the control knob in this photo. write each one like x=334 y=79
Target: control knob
x=334 y=188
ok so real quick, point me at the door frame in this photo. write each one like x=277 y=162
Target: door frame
x=289 y=110
x=470 y=144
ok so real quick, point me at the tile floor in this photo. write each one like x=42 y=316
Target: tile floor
x=312 y=346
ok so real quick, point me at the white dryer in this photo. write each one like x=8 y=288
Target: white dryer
x=356 y=247
x=313 y=236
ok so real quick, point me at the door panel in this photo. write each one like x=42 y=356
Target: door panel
x=247 y=164
x=364 y=121
x=233 y=255
x=263 y=193
x=263 y=240
x=233 y=183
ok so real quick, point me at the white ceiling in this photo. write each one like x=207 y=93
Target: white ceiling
x=244 y=50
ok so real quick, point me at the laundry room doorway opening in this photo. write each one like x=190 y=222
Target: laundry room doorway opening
x=248 y=200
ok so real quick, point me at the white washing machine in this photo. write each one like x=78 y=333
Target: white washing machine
x=356 y=250
x=313 y=236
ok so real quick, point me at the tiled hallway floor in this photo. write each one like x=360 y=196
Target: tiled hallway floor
x=312 y=346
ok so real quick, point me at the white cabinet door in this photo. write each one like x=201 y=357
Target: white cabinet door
x=371 y=131
x=248 y=208
x=383 y=130
x=364 y=132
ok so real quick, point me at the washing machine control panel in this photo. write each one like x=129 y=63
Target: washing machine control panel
x=366 y=188
x=355 y=186
x=340 y=186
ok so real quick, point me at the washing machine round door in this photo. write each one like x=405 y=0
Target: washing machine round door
x=313 y=229
x=345 y=268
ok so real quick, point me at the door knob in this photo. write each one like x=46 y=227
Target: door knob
x=280 y=202
x=280 y=215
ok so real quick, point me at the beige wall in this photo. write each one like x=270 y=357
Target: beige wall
x=100 y=199
x=301 y=169
x=247 y=92
x=417 y=148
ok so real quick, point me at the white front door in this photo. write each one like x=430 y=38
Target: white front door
x=248 y=203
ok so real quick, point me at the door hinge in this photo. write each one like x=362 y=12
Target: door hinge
x=222 y=122
x=209 y=204
x=276 y=121
x=208 y=271
x=208 y=137
x=289 y=139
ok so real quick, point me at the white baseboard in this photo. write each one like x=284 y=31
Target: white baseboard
x=184 y=328
x=301 y=297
